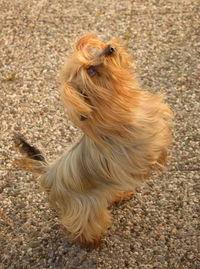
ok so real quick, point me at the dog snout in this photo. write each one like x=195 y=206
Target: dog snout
x=109 y=50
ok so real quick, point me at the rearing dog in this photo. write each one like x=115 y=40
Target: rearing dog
x=126 y=134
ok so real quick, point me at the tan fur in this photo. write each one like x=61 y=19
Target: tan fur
x=126 y=135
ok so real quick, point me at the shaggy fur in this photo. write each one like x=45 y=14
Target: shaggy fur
x=126 y=135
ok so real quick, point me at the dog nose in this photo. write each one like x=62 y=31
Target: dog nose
x=109 y=50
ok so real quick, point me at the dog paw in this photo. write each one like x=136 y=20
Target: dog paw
x=123 y=196
x=94 y=243
x=81 y=240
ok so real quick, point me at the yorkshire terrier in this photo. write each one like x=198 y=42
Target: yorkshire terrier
x=126 y=134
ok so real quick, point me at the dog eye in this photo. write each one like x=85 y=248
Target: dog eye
x=79 y=90
x=82 y=118
x=92 y=71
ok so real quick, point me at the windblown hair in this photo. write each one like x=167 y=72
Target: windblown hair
x=126 y=134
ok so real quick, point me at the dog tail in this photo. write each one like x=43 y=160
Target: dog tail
x=32 y=158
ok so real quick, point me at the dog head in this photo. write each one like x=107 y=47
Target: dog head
x=97 y=84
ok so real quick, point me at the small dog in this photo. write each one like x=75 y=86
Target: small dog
x=126 y=134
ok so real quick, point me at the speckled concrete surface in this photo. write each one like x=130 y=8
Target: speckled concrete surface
x=159 y=228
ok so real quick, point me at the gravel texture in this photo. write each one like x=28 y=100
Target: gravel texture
x=157 y=229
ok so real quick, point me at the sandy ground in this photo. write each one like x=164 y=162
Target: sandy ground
x=159 y=228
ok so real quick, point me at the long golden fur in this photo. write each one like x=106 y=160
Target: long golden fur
x=126 y=135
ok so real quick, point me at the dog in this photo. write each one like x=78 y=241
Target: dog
x=126 y=134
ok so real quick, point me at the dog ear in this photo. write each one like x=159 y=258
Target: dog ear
x=83 y=40
x=78 y=108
